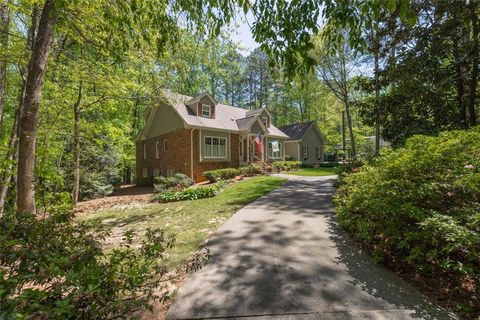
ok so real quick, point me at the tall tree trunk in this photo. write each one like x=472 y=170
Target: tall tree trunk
x=76 y=145
x=344 y=138
x=376 y=52
x=4 y=32
x=350 y=128
x=474 y=55
x=29 y=120
x=12 y=154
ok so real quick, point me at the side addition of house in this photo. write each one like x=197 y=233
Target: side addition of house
x=305 y=142
x=191 y=135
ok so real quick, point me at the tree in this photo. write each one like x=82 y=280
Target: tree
x=337 y=67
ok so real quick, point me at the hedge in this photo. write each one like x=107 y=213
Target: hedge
x=178 y=181
x=286 y=165
x=221 y=174
x=418 y=207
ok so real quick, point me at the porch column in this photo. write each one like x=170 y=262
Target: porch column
x=248 y=148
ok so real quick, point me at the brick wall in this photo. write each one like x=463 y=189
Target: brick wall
x=177 y=157
x=200 y=167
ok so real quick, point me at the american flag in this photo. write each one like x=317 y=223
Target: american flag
x=258 y=141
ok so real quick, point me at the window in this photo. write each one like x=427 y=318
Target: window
x=144 y=150
x=265 y=121
x=157 y=150
x=215 y=147
x=274 y=150
x=206 y=111
x=165 y=146
x=318 y=153
x=305 y=152
x=156 y=172
x=241 y=148
x=145 y=172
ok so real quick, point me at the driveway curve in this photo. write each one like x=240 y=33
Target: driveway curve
x=284 y=257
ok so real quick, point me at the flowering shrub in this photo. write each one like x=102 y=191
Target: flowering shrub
x=419 y=207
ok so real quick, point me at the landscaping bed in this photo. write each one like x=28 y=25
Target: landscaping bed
x=417 y=210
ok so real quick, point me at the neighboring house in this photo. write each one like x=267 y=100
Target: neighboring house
x=192 y=135
x=305 y=142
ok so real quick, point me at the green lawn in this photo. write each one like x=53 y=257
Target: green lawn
x=191 y=221
x=313 y=172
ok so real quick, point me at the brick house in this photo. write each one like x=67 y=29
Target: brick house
x=191 y=135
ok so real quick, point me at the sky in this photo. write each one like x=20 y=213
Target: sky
x=243 y=35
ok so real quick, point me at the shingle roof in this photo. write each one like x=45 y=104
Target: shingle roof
x=296 y=131
x=226 y=117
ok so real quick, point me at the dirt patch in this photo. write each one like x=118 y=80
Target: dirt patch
x=129 y=196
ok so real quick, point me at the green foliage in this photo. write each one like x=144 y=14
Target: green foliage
x=193 y=193
x=286 y=165
x=54 y=267
x=178 y=181
x=221 y=174
x=419 y=206
x=250 y=170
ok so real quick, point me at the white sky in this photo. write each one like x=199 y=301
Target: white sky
x=242 y=34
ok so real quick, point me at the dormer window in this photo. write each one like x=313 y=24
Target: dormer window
x=206 y=111
x=265 y=121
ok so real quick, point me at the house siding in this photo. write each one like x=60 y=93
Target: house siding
x=291 y=150
x=312 y=139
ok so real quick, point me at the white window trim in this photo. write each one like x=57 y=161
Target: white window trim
x=157 y=150
x=318 y=153
x=215 y=157
x=265 y=121
x=145 y=172
x=165 y=145
x=206 y=107
x=270 y=150
x=305 y=152
x=145 y=150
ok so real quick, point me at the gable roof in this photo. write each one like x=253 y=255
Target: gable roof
x=226 y=117
x=296 y=131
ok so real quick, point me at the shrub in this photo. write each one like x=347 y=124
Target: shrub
x=178 y=181
x=221 y=174
x=328 y=165
x=189 y=193
x=250 y=170
x=144 y=181
x=54 y=268
x=286 y=165
x=419 y=207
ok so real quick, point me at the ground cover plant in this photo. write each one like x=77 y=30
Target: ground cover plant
x=192 y=221
x=221 y=174
x=417 y=209
x=192 y=193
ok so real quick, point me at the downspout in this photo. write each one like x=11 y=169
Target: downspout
x=191 y=153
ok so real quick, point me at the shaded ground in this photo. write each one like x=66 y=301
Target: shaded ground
x=129 y=196
x=284 y=257
x=312 y=172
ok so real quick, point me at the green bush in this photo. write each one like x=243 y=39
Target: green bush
x=286 y=165
x=221 y=174
x=52 y=267
x=419 y=206
x=178 y=181
x=144 y=182
x=250 y=170
x=193 y=193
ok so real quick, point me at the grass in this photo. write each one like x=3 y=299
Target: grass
x=191 y=221
x=314 y=172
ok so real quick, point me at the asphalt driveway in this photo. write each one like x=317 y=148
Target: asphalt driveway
x=284 y=257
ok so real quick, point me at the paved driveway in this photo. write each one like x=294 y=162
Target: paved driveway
x=283 y=257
